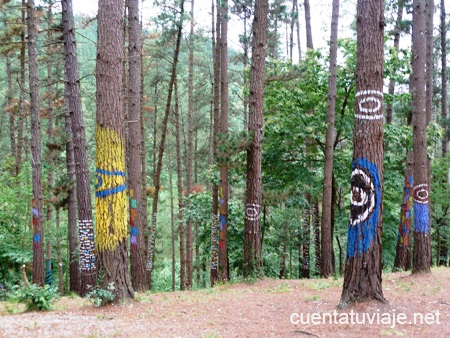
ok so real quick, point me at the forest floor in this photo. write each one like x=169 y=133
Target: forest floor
x=417 y=306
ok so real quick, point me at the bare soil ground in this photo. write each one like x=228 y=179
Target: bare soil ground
x=418 y=305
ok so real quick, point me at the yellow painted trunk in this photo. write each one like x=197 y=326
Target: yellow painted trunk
x=111 y=208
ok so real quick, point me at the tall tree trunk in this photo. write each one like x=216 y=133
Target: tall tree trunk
x=316 y=222
x=144 y=202
x=362 y=277
x=20 y=122
x=291 y=28
x=403 y=253
x=58 y=253
x=443 y=241
x=297 y=24
x=37 y=203
x=326 y=267
x=172 y=223
x=284 y=240
x=397 y=31
x=157 y=178
x=421 y=191
x=111 y=202
x=74 y=256
x=309 y=40
x=189 y=255
x=429 y=63
x=429 y=75
x=214 y=267
x=137 y=254
x=245 y=46
x=252 y=223
x=73 y=108
x=49 y=157
x=224 y=273
x=305 y=267
x=180 y=193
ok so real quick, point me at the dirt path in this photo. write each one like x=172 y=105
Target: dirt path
x=419 y=306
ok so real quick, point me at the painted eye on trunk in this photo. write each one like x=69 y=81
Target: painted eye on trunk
x=363 y=196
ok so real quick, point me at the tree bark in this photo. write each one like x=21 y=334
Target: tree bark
x=111 y=203
x=214 y=267
x=326 y=267
x=309 y=40
x=362 y=277
x=306 y=232
x=137 y=253
x=73 y=107
x=252 y=223
x=58 y=253
x=397 y=31
x=22 y=115
x=316 y=222
x=74 y=256
x=403 y=252
x=189 y=256
x=49 y=153
x=36 y=148
x=421 y=191
x=180 y=194
x=443 y=241
x=430 y=61
x=224 y=273
x=172 y=223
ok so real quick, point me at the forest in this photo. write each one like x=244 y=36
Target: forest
x=142 y=151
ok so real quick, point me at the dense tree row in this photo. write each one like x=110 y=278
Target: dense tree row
x=278 y=167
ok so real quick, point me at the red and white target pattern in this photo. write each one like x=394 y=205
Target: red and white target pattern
x=421 y=193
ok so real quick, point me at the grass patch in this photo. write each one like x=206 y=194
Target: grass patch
x=319 y=285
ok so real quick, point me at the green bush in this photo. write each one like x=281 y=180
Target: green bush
x=37 y=297
x=101 y=297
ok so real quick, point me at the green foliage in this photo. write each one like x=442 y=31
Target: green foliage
x=15 y=197
x=101 y=297
x=37 y=297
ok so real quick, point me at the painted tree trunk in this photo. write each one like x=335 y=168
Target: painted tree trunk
x=421 y=190
x=362 y=277
x=111 y=202
x=37 y=203
x=137 y=248
x=252 y=223
x=49 y=153
x=403 y=252
x=73 y=107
